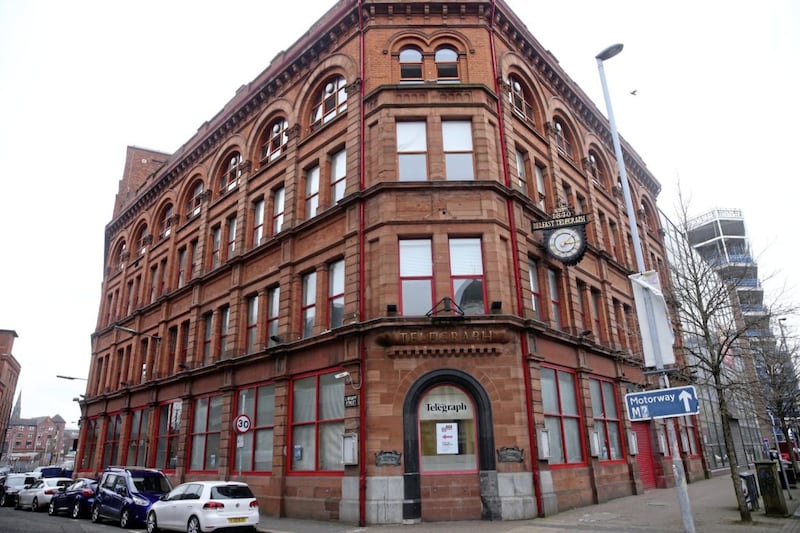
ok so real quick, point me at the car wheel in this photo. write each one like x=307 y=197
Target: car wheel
x=96 y=513
x=51 y=509
x=35 y=505
x=193 y=526
x=124 y=519
x=76 y=510
x=152 y=524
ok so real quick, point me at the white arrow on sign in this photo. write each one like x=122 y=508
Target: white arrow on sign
x=685 y=397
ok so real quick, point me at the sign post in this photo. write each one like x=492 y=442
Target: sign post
x=241 y=425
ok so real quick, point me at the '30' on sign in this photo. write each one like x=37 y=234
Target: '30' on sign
x=241 y=424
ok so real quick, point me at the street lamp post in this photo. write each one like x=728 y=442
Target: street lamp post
x=677 y=465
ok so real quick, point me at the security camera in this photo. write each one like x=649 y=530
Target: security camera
x=342 y=375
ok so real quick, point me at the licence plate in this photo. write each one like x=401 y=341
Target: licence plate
x=237 y=520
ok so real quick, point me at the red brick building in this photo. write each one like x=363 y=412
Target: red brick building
x=9 y=374
x=344 y=261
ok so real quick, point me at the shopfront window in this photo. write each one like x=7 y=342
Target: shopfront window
x=447 y=431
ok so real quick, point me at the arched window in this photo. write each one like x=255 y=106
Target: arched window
x=141 y=240
x=446 y=65
x=165 y=221
x=195 y=200
x=231 y=172
x=121 y=255
x=562 y=138
x=410 y=65
x=597 y=170
x=519 y=98
x=275 y=140
x=331 y=101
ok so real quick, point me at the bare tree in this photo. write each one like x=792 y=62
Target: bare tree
x=716 y=333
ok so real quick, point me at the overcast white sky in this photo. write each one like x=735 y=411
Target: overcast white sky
x=716 y=107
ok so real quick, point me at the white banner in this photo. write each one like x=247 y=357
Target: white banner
x=656 y=329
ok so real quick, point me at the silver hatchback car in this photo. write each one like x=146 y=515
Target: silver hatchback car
x=205 y=506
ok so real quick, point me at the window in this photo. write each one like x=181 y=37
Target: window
x=446 y=65
x=216 y=244
x=252 y=323
x=447 y=435
x=336 y=294
x=256 y=454
x=536 y=295
x=181 y=267
x=410 y=65
x=275 y=140
x=580 y=308
x=607 y=423
x=273 y=305
x=555 y=298
x=142 y=240
x=540 y=189
x=466 y=274
x=596 y=170
x=597 y=318
x=308 y=310
x=195 y=200
x=312 y=191
x=278 y=197
x=412 y=145
x=111 y=444
x=687 y=431
x=194 y=253
x=165 y=222
x=317 y=423
x=416 y=276
x=224 y=330
x=183 y=352
x=562 y=138
x=521 y=159
x=205 y=433
x=162 y=287
x=331 y=101
x=519 y=99
x=338 y=175
x=208 y=336
x=561 y=417
x=90 y=446
x=230 y=231
x=137 y=441
x=457 y=138
x=229 y=178
x=258 y=222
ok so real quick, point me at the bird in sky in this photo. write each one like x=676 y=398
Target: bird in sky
x=633 y=92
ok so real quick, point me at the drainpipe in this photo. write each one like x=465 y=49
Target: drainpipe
x=523 y=337
x=362 y=400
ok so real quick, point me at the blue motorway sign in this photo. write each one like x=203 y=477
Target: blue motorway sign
x=662 y=403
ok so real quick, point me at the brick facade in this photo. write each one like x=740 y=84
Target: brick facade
x=175 y=325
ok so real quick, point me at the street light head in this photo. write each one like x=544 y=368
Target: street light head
x=609 y=52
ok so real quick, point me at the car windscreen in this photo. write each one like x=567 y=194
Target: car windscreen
x=220 y=492
x=158 y=484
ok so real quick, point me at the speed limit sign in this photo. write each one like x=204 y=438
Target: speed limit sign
x=241 y=424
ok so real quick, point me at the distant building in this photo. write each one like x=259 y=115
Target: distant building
x=33 y=442
x=9 y=374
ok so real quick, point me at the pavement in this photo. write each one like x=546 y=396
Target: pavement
x=712 y=501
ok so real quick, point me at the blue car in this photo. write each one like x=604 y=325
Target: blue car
x=76 y=499
x=125 y=494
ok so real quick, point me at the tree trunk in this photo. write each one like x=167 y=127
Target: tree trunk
x=733 y=462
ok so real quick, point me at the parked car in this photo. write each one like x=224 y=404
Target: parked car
x=205 y=506
x=11 y=486
x=77 y=499
x=37 y=495
x=125 y=494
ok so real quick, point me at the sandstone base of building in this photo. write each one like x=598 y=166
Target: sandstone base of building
x=549 y=498
x=517 y=501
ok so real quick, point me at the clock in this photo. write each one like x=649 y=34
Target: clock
x=567 y=244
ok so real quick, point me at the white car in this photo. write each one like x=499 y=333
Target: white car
x=37 y=495
x=205 y=506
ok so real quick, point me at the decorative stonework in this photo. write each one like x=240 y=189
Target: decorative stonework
x=388 y=458
x=510 y=454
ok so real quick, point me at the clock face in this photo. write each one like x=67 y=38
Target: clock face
x=567 y=244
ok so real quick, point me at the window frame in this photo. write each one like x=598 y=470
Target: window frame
x=258 y=427
x=315 y=421
x=273 y=313
x=446 y=64
x=278 y=209
x=418 y=149
x=455 y=150
x=308 y=310
x=414 y=64
x=560 y=416
x=336 y=282
x=602 y=417
x=276 y=139
x=403 y=278
x=230 y=173
x=138 y=437
x=329 y=104
x=171 y=436
x=212 y=427
x=251 y=325
x=457 y=275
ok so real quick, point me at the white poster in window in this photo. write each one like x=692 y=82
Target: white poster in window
x=447 y=438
